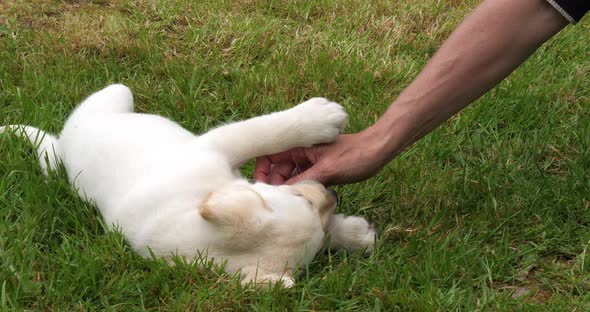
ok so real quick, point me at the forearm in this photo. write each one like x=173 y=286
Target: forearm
x=486 y=47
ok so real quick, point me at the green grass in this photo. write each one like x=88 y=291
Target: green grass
x=489 y=212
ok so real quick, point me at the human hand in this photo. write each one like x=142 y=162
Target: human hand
x=352 y=158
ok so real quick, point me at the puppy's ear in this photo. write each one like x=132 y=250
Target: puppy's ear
x=319 y=197
x=233 y=205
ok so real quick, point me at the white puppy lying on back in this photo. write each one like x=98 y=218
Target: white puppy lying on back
x=175 y=193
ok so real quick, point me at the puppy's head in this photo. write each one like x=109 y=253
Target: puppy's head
x=282 y=226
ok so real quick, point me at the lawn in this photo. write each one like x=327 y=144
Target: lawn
x=489 y=212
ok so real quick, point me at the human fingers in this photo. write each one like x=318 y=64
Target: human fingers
x=310 y=165
x=266 y=165
x=314 y=173
x=262 y=169
x=281 y=172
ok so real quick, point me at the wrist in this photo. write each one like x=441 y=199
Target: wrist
x=381 y=143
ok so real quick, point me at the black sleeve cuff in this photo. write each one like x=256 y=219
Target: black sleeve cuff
x=572 y=10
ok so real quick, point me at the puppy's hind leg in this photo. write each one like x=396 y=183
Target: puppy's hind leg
x=115 y=98
x=352 y=233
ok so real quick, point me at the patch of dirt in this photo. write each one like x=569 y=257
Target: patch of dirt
x=534 y=293
x=528 y=283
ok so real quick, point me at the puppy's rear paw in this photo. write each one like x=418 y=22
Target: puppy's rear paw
x=351 y=233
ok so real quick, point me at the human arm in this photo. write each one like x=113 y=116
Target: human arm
x=485 y=48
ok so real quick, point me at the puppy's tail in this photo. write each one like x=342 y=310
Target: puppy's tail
x=44 y=143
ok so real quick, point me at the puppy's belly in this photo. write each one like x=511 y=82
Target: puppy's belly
x=108 y=154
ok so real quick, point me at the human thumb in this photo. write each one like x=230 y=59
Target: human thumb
x=312 y=173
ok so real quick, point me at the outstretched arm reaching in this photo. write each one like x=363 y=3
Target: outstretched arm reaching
x=485 y=48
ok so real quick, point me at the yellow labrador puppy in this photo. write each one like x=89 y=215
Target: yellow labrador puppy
x=175 y=193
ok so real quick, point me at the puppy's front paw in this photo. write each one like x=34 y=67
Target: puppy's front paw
x=261 y=279
x=351 y=233
x=320 y=121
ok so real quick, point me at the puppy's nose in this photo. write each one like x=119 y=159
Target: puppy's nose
x=333 y=194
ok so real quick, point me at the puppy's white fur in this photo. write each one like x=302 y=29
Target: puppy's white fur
x=175 y=193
